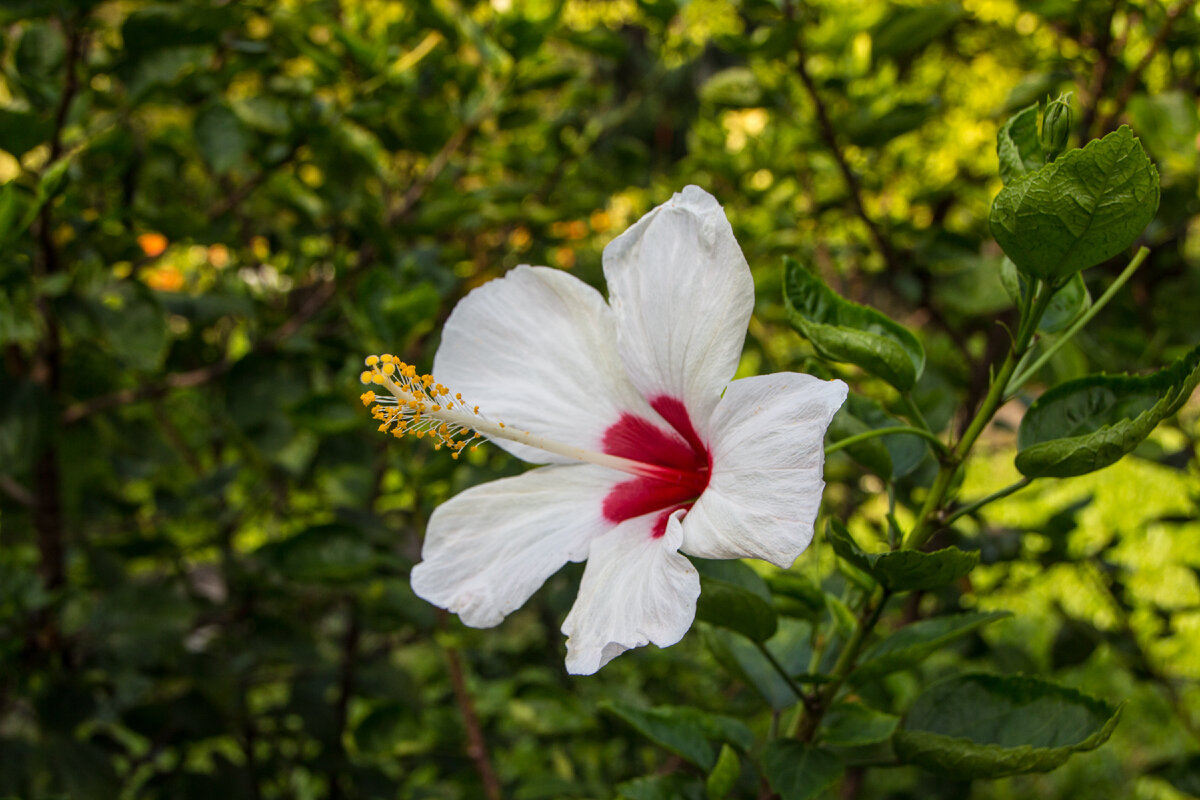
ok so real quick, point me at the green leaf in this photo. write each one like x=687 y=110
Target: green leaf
x=732 y=595
x=866 y=129
x=796 y=595
x=1086 y=424
x=738 y=655
x=323 y=553
x=844 y=331
x=1018 y=145
x=987 y=726
x=384 y=726
x=914 y=643
x=21 y=131
x=660 y=787
x=1080 y=210
x=799 y=771
x=908 y=29
x=735 y=87
x=134 y=325
x=724 y=775
x=855 y=725
x=671 y=728
x=263 y=113
x=220 y=137
x=903 y=570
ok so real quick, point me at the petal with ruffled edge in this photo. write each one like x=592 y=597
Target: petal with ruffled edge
x=682 y=293
x=768 y=456
x=488 y=549
x=636 y=589
x=536 y=350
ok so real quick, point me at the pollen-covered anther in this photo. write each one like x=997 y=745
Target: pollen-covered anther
x=417 y=404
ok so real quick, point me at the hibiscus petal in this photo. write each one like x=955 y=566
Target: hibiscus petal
x=536 y=350
x=488 y=549
x=636 y=589
x=768 y=456
x=682 y=294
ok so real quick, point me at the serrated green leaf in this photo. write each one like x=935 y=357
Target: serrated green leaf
x=799 y=771
x=1086 y=424
x=724 y=775
x=903 y=570
x=1018 y=145
x=1082 y=209
x=988 y=726
x=844 y=331
x=852 y=724
x=733 y=596
x=913 y=643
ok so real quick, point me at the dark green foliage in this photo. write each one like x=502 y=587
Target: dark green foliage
x=844 y=331
x=1089 y=423
x=1082 y=209
x=992 y=725
x=211 y=211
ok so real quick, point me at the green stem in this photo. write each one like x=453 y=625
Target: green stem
x=849 y=441
x=845 y=665
x=783 y=673
x=913 y=412
x=1021 y=379
x=931 y=508
x=983 y=501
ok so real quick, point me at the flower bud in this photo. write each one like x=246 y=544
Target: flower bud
x=1056 y=126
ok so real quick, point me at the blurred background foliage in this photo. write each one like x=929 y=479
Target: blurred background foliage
x=210 y=211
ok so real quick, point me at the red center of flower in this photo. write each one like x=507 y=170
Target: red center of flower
x=677 y=463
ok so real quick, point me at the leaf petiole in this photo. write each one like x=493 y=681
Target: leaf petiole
x=1023 y=377
x=938 y=444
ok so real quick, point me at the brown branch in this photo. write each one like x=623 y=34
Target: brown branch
x=1095 y=90
x=476 y=745
x=829 y=135
x=1131 y=80
x=177 y=380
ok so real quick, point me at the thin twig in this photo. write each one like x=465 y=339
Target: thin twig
x=1095 y=90
x=1131 y=80
x=829 y=135
x=476 y=744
